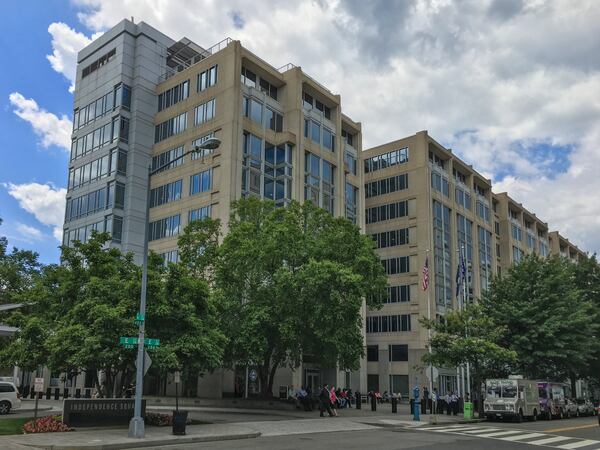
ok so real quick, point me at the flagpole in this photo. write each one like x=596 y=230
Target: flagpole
x=465 y=299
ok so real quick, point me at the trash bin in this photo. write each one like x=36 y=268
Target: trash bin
x=394 y=405
x=179 y=422
x=468 y=410
x=358 y=400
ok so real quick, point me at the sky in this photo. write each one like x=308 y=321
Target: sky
x=511 y=86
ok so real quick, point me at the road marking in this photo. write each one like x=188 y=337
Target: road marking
x=580 y=427
x=500 y=433
x=446 y=427
x=521 y=437
x=550 y=440
x=481 y=430
x=447 y=430
x=583 y=443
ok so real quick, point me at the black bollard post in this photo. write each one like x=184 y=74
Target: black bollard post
x=56 y=393
x=78 y=393
x=373 y=403
x=48 y=393
x=394 y=405
x=358 y=401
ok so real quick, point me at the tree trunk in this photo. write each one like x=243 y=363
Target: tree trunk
x=272 y=376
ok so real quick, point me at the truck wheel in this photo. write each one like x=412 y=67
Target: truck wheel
x=4 y=407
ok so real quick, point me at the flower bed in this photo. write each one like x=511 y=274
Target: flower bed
x=48 y=424
x=161 y=420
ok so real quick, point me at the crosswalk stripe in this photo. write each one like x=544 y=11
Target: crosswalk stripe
x=500 y=433
x=480 y=430
x=448 y=427
x=583 y=443
x=453 y=430
x=522 y=436
x=550 y=440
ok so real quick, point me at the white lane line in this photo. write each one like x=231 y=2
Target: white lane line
x=480 y=430
x=453 y=430
x=446 y=427
x=499 y=433
x=583 y=443
x=522 y=436
x=550 y=440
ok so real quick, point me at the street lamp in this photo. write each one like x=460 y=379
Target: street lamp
x=136 y=425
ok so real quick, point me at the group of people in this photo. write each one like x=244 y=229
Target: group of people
x=330 y=399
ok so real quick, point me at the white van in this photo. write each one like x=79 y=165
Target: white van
x=9 y=397
x=513 y=398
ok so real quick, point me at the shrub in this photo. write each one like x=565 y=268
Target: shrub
x=46 y=424
x=161 y=420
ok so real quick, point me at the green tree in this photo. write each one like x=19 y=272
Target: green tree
x=290 y=284
x=81 y=307
x=547 y=317
x=470 y=336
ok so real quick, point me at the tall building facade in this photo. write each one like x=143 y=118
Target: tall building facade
x=143 y=99
x=425 y=204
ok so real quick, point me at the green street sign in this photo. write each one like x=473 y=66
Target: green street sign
x=132 y=342
x=139 y=319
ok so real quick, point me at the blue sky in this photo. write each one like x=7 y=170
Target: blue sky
x=25 y=42
x=521 y=107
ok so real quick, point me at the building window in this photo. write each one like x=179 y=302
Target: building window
x=347 y=137
x=398 y=352
x=116 y=130
x=463 y=198
x=442 y=239
x=207 y=79
x=350 y=163
x=388 y=324
x=164 y=159
x=389 y=211
x=204 y=112
x=517 y=255
x=201 y=182
x=386 y=160
x=516 y=232
x=530 y=240
x=386 y=185
x=274 y=120
x=267 y=171
x=319 y=181
x=109 y=224
x=483 y=210
x=485 y=258
x=169 y=257
x=440 y=183
x=328 y=139
x=166 y=193
x=394 y=266
x=248 y=77
x=174 y=95
x=311 y=103
x=170 y=127
x=200 y=213
x=372 y=353
x=391 y=238
x=351 y=201
x=100 y=168
x=436 y=160
x=103 y=60
x=398 y=294
x=464 y=232
x=120 y=95
x=112 y=195
x=268 y=88
x=162 y=228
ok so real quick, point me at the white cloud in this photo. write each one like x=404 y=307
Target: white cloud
x=49 y=127
x=28 y=233
x=66 y=43
x=44 y=201
x=491 y=79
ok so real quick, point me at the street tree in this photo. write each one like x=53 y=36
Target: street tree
x=290 y=284
x=547 y=318
x=470 y=336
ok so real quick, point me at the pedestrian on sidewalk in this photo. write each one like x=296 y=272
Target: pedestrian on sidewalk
x=448 y=403
x=334 y=401
x=324 y=402
x=454 y=402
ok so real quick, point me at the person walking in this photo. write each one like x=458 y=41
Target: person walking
x=448 y=403
x=334 y=401
x=324 y=401
x=435 y=401
x=454 y=402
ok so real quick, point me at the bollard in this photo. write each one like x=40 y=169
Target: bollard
x=78 y=393
x=66 y=393
x=32 y=394
x=48 y=393
x=394 y=405
x=358 y=401
x=373 y=403
x=56 y=393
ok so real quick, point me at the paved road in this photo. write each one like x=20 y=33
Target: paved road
x=380 y=439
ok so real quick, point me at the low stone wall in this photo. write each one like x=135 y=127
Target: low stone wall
x=243 y=403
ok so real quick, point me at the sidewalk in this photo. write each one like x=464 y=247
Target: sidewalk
x=106 y=438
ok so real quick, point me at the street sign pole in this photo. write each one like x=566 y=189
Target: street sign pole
x=177 y=380
x=37 y=387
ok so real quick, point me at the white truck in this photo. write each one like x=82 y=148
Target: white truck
x=513 y=398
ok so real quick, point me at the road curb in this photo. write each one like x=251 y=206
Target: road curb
x=145 y=443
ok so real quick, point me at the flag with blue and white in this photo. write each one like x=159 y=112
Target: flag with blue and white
x=461 y=273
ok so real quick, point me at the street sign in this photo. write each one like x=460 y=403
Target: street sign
x=147 y=362
x=132 y=342
x=139 y=318
x=177 y=376
x=428 y=373
x=253 y=375
x=39 y=385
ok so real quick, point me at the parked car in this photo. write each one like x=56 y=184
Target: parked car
x=571 y=409
x=585 y=407
x=10 y=398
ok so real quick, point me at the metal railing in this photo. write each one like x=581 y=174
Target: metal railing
x=209 y=52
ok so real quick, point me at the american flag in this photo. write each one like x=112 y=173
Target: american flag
x=426 y=274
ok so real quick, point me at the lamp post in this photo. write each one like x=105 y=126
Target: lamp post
x=136 y=425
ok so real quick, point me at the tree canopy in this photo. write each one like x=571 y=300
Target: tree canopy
x=290 y=284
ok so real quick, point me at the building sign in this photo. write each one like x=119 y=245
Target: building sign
x=102 y=411
x=39 y=385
